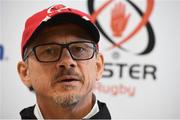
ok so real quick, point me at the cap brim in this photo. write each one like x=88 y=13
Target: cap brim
x=75 y=19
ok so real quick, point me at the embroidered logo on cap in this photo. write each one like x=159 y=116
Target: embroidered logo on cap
x=54 y=10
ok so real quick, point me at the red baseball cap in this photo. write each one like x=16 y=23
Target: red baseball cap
x=36 y=21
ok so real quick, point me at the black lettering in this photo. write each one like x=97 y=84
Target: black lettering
x=121 y=66
x=150 y=70
x=133 y=72
x=108 y=72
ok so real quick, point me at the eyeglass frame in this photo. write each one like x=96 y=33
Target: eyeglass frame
x=33 y=50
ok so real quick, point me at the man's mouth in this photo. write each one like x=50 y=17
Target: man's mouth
x=68 y=80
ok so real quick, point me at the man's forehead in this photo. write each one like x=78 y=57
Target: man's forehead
x=71 y=31
x=64 y=30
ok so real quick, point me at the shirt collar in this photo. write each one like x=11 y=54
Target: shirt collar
x=38 y=113
x=93 y=111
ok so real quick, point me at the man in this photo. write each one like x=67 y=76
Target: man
x=61 y=64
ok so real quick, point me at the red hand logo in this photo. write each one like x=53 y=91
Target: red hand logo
x=142 y=22
x=119 y=19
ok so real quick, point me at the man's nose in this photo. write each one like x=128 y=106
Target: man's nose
x=66 y=61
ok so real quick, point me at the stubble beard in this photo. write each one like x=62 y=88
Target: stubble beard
x=67 y=99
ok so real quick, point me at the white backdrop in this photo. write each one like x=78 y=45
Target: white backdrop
x=129 y=96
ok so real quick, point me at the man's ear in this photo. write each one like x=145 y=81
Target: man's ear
x=23 y=71
x=99 y=66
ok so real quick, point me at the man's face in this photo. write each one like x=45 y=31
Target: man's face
x=66 y=81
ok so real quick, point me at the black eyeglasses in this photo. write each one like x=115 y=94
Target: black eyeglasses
x=51 y=52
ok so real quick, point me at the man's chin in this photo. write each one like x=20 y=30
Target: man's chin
x=64 y=87
x=66 y=100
